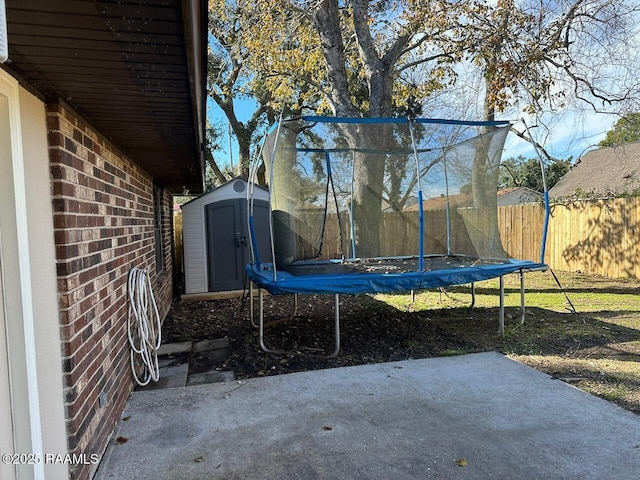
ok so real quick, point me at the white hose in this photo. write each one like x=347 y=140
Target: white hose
x=143 y=328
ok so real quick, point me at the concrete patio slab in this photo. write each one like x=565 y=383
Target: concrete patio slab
x=480 y=416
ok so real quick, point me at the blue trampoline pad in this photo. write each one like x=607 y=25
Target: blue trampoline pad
x=379 y=275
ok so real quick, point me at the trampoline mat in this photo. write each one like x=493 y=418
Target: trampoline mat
x=382 y=265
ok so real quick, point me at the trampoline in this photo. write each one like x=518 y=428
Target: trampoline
x=381 y=205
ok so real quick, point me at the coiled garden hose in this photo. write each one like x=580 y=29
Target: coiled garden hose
x=143 y=328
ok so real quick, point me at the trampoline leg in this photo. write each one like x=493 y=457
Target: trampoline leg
x=251 y=312
x=473 y=295
x=336 y=348
x=522 y=309
x=261 y=323
x=501 y=306
x=261 y=319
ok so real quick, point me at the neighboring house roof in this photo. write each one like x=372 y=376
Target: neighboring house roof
x=518 y=196
x=136 y=72
x=506 y=196
x=602 y=172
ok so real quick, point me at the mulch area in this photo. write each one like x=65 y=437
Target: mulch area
x=371 y=332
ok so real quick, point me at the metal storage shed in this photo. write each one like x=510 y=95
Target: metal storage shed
x=216 y=237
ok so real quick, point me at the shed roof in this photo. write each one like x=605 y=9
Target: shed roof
x=134 y=70
x=227 y=190
x=602 y=172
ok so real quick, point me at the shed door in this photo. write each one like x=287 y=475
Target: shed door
x=227 y=244
x=228 y=249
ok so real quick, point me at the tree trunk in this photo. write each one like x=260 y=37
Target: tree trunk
x=244 y=151
x=368 y=175
x=367 y=203
x=368 y=168
x=214 y=166
x=484 y=180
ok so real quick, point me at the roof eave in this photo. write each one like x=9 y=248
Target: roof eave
x=194 y=13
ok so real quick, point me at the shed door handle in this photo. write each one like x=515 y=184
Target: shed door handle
x=240 y=240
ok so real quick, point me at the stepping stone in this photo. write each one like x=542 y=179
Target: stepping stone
x=172 y=360
x=213 y=344
x=173 y=348
x=170 y=377
x=210 y=377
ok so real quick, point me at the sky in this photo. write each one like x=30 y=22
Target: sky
x=572 y=135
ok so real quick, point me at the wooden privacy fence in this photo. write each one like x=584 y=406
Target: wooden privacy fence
x=399 y=233
x=521 y=230
x=600 y=237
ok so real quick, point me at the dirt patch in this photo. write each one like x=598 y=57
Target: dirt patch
x=586 y=350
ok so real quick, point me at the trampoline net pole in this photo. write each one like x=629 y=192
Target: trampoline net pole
x=448 y=202
x=420 y=200
x=352 y=226
x=547 y=209
x=522 y=302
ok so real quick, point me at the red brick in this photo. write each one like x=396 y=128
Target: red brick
x=93 y=287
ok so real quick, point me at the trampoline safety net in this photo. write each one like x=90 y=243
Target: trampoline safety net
x=363 y=189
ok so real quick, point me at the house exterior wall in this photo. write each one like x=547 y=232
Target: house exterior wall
x=29 y=286
x=104 y=224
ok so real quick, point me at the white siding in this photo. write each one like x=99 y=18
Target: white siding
x=195 y=248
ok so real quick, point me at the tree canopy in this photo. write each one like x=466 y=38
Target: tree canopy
x=625 y=130
x=387 y=57
x=381 y=58
x=526 y=172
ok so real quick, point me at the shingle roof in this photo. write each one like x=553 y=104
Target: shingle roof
x=461 y=200
x=602 y=172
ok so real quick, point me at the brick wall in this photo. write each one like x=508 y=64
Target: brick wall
x=103 y=207
x=163 y=290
